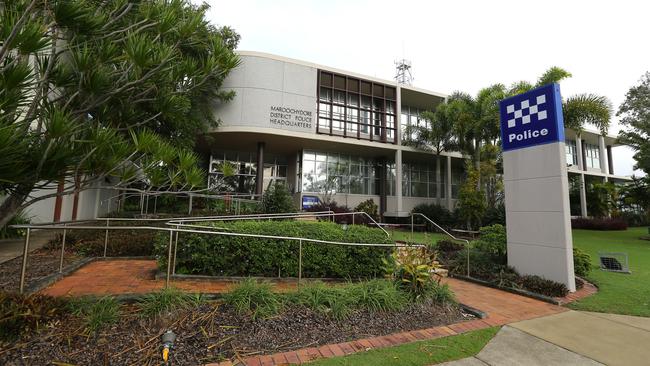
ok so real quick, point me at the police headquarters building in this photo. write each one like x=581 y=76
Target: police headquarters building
x=328 y=132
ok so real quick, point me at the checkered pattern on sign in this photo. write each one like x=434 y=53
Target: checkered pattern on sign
x=529 y=110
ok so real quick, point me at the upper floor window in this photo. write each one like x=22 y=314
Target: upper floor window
x=352 y=107
x=592 y=156
x=571 y=152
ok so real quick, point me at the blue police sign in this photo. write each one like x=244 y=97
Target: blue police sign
x=532 y=118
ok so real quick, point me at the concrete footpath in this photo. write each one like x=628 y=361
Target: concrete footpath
x=12 y=248
x=568 y=338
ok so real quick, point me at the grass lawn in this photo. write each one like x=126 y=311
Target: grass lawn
x=419 y=353
x=418 y=237
x=618 y=293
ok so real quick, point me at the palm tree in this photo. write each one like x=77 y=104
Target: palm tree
x=578 y=109
x=437 y=136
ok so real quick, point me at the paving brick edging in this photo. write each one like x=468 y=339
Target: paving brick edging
x=587 y=289
x=361 y=345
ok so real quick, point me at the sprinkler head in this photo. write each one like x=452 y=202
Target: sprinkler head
x=168 y=339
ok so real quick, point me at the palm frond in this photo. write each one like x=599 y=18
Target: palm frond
x=553 y=75
x=587 y=108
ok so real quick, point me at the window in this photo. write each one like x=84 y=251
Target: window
x=592 y=156
x=243 y=167
x=571 y=152
x=371 y=108
x=420 y=180
x=338 y=173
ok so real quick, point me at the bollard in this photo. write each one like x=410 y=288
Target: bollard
x=169 y=258
x=299 y=261
x=24 y=266
x=62 y=250
x=106 y=239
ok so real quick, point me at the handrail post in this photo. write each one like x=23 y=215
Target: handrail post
x=175 y=250
x=412 y=227
x=23 y=268
x=299 y=261
x=353 y=215
x=106 y=237
x=62 y=250
x=169 y=258
x=189 y=209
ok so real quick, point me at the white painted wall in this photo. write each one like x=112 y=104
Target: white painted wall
x=261 y=83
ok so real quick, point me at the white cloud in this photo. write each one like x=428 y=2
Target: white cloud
x=458 y=45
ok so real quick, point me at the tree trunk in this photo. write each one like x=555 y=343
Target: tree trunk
x=438 y=179
x=9 y=207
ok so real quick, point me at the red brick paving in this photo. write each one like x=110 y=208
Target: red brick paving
x=122 y=276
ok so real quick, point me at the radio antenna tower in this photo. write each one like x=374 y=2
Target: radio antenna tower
x=403 y=68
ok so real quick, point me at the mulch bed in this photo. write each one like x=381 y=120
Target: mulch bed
x=213 y=332
x=40 y=263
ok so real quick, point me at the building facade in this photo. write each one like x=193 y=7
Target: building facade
x=341 y=135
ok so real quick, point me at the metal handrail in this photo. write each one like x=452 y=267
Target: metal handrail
x=175 y=229
x=444 y=231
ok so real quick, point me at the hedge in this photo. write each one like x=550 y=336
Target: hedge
x=221 y=255
x=604 y=224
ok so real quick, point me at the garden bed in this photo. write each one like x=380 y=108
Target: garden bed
x=214 y=331
x=41 y=263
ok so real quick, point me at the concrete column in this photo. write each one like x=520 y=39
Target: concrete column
x=583 y=196
x=381 y=170
x=603 y=154
x=448 y=183
x=609 y=160
x=583 y=147
x=581 y=165
x=398 y=180
x=259 y=178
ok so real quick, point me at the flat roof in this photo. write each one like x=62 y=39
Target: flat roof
x=339 y=71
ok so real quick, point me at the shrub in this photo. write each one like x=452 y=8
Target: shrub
x=334 y=207
x=278 y=199
x=604 y=224
x=167 y=301
x=370 y=207
x=634 y=219
x=581 y=262
x=448 y=246
x=493 y=241
x=23 y=314
x=219 y=255
x=256 y=299
x=412 y=270
x=440 y=293
x=96 y=313
x=543 y=286
x=7 y=232
x=438 y=214
x=495 y=215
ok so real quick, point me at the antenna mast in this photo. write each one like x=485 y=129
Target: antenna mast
x=403 y=68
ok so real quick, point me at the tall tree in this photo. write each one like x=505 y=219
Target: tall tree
x=92 y=90
x=437 y=136
x=579 y=109
x=635 y=118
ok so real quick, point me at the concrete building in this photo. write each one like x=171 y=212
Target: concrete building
x=335 y=133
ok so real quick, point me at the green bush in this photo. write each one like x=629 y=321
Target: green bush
x=166 y=301
x=256 y=299
x=278 y=199
x=581 y=262
x=221 y=255
x=7 y=232
x=438 y=214
x=493 y=241
x=543 y=286
x=370 y=207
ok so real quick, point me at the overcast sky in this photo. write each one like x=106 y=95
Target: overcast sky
x=458 y=45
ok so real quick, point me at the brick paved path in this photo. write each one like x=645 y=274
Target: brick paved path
x=127 y=276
